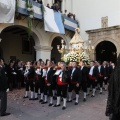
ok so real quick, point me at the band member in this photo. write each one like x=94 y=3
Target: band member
x=3 y=89
x=29 y=79
x=84 y=78
x=38 y=76
x=56 y=68
x=62 y=84
x=11 y=75
x=100 y=76
x=48 y=83
x=93 y=75
x=19 y=74
x=41 y=81
x=106 y=74
x=74 y=83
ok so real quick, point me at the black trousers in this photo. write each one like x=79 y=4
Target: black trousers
x=62 y=89
x=48 y=90
x=37 y=86
x=29 y=83
x=84 y=86
x=93 y=83
x=115 y=117
x=3 y=98
x=42 y=86
x=73 y=87
x=106 y=81
x=100 y=81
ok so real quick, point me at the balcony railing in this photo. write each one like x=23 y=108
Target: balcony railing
x=69 y=23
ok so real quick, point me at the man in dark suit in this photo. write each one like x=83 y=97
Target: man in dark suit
x=83 y=76
x=48 y=83
x=93 y=75
x=100 y=76
x=62 y=84
x=3 y=89
x=106 y=74
x=74 y=82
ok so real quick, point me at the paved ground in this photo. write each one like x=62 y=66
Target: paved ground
x=93 y=109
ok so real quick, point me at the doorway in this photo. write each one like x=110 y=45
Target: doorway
x=106 y=51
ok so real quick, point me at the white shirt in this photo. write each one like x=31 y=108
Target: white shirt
x=73 y=71
x=91 y=71
x=99 y=68
x=81 y=67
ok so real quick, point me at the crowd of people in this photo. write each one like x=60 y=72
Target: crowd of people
x=58 y=80
x=56 y=8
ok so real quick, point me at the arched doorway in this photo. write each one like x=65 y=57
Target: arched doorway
x=55 y=55
x=16 y=45
x=106 y=51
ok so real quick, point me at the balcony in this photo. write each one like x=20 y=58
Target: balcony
x=69 y=23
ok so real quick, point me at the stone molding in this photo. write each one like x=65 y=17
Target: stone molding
x=42 y=48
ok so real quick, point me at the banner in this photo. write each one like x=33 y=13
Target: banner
x=7 y=11
x=53 y=21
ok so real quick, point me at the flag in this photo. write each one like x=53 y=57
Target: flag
x=53 y=21
x=7 y=11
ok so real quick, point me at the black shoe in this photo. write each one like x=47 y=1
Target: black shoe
x=50 y=104
x=84 y=100
x=69 y=101
x=40 y=100
x=61 y=99
x=25 y=97
x=31 y=98
x=35 y=99
x=100 y=92
x=76 y=103
x=93 y=96
x=63 y=108
x=5 y=114
x=44 y=102
x=56 y=105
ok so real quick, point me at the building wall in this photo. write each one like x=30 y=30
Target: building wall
x=42 y=39
x=11 y=45
x=89 y=13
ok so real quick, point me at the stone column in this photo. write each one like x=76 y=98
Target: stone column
x=63 y=6
x=43 y=52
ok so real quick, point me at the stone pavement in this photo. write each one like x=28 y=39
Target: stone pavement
x=23 y=109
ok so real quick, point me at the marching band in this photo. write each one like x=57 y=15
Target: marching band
x=59 y=82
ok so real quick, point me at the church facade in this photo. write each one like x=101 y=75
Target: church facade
x=98 y=20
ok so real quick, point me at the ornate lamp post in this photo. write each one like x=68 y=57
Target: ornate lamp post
x=89 y=48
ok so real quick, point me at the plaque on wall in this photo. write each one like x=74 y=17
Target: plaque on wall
x=26 y=46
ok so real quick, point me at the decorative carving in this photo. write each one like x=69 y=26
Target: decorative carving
x=104 y=22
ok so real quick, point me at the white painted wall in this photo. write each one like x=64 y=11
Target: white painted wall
x=89 y=13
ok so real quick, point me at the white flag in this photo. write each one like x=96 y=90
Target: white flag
x=7 y=11
x=53 y=21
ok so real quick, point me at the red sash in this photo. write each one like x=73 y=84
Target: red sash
x=60 y=82
x=46 y=81
x=100 y=75
x=91 y=77
x=36 y=77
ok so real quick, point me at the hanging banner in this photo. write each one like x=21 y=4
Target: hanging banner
x=7 y=11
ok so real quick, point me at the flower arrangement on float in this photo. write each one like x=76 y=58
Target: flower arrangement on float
x=77 y=57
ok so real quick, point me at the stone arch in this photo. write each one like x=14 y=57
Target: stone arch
x=53 y=36
x=107 y=39
x=106 y=51
x=21 y=27
x=35 y=34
